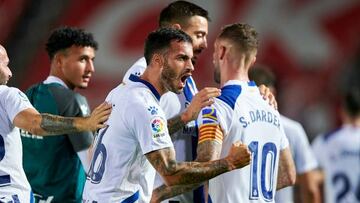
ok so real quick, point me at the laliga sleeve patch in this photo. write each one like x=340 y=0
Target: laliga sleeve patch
x=209 y=116
x=157 y=127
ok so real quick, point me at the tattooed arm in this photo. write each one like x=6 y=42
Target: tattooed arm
x=286 y=173
x=201 y=99
x=208 y=150
x=46 y=124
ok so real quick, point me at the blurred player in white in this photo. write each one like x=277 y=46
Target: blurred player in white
x=137 y=140
x=240 y=114
x=302 y=154
x=17 y=112
x=338 y=154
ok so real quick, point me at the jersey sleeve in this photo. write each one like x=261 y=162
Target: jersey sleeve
x=209 y=119
x=137 y=69
x=15 y=102
x=304 y=157
x=284 y=142
x=317 y=149
x=150 y=126
x=79 y=108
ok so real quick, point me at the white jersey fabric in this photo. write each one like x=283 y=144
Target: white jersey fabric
x=301 y=152
x=338 y=154
x=14 y=186
x=184 y=140
x=120 y=171
x=244 y=115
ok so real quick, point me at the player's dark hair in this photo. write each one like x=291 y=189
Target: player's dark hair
x=243 y=35
x=180 y=12
x=351 y=101
x=262 y=76
x=65 y=37
x=159 y=40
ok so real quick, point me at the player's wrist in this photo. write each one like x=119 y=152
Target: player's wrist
x=229 y=163
x=185 y=117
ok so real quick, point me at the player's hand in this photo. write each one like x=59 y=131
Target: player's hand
x=268 y=95
x=239 y=155
x=203 y=98
x=97 y=118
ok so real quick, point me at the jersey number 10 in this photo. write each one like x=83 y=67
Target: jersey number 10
x=266 y=173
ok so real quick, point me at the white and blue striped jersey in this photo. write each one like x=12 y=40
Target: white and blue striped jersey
x=173 y=104
x=244 y=115
x=338 y=154
x=301 y=152
x=14 y=186
x=120 y=171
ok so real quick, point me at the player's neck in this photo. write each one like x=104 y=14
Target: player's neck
x=154 y=80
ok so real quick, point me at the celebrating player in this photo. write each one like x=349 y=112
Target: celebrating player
x=137 y=140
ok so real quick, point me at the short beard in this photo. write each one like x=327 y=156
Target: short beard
x=167 y=77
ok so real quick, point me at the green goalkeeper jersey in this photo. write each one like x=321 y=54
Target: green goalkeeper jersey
x=51 y=163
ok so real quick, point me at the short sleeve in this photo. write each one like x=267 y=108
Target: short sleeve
x=149 y=126
x=284 y=142
x=317 y=148
x=303 y=155
x=15 y=102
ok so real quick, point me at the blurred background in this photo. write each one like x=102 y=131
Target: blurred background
x=313 y=46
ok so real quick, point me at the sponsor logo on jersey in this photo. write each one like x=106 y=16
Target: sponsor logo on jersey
x=158 y=127
x=153 y=110
x=209 y=116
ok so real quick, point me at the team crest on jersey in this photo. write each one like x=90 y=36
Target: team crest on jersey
x=153 y=110
x=209 y=116
x=158 y=127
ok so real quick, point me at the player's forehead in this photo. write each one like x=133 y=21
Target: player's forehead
x=181 y=48
x=196 y=24
x=81 y=50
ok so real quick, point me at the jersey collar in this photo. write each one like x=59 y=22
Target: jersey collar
x=54 y=79
x=135 y=78
x=238 y=82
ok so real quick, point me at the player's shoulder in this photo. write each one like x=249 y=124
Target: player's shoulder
x=229 y=94
x=137 y=69
x=6 y=91
x=290 y=124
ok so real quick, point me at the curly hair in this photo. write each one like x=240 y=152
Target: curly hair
x=65 y=37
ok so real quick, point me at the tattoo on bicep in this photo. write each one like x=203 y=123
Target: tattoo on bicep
x=57 y=124
x=175 y=124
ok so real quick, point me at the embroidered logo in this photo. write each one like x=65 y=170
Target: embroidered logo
x=153 y=110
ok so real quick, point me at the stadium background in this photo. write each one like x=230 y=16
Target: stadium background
x=312 y=45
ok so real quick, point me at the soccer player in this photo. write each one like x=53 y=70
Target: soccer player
x=137 y=140
x=338 y=153
x=240 y=114
x=58 y=175
x=17 y=112
x=183 y=108
x=302 y=154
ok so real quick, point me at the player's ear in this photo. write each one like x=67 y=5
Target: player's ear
x=222 y=52
x=176 y=26
x=157 y=59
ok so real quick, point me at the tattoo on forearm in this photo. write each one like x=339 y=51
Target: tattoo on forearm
x=165 y=192
x=175 y=124
x=57 y=124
